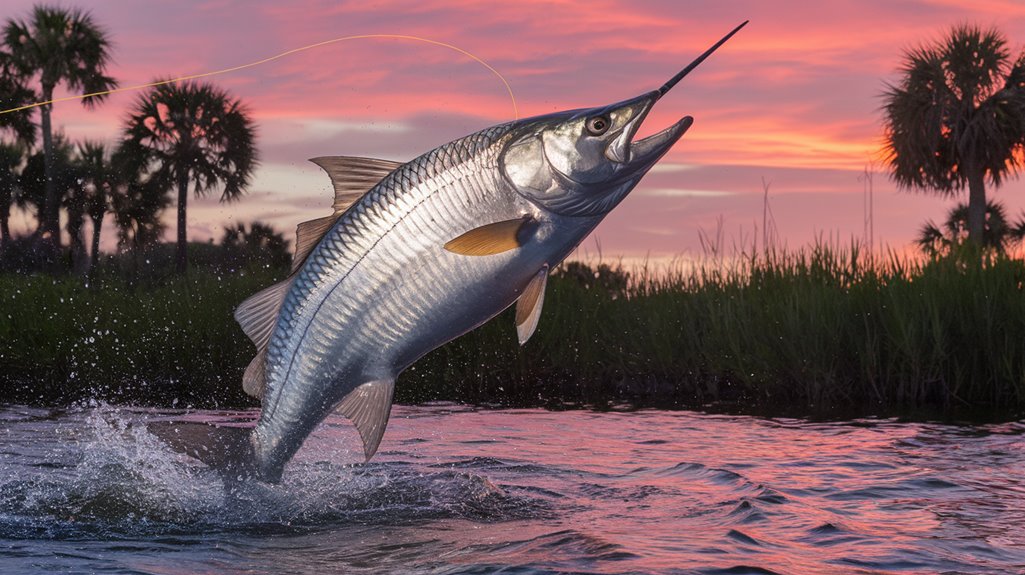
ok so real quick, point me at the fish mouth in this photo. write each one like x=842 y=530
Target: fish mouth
x=642 y=154
x=631 y=154
x=646 y=151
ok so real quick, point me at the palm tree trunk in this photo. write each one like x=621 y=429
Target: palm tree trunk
x=5 y=229
x=135 y=254
x=94 y=256
x=76 y=232
x=76 y=223
x=181 y=258
x=976 y=206
x=49 y=223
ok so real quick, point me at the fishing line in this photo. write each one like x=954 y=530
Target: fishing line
x=508 y=88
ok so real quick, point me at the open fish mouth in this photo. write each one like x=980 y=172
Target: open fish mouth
x=645 y=152
x=637 y=156
x=634 y=155
x=641 y=154
x=658 y=143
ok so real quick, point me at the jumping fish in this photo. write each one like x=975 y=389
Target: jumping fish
x=415 y=255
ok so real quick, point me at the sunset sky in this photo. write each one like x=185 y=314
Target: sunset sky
x=793 y=100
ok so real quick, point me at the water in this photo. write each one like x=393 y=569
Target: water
x=460 y=491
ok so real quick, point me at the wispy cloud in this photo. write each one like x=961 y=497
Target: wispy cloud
x=683 y=193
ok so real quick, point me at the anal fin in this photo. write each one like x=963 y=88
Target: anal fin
x=253 y=380
x=368 y=407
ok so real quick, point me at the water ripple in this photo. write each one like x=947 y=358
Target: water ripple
x=456 y=490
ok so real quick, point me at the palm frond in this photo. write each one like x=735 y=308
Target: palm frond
x=58 y=44
x=959 y=106
x=196 y=129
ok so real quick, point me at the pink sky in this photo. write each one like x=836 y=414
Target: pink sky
x=792 y=99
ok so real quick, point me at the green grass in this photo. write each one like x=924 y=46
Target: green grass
x=158 y=342
x=815 y=331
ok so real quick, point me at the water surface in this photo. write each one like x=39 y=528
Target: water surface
x=455 y=490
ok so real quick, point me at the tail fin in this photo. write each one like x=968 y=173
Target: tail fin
x=226 y=449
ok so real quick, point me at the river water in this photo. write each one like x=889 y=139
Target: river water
x=455 y=490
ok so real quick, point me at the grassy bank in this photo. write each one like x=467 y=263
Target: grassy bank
x=811 y=331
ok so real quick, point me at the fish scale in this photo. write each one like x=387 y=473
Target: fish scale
x=438 y=246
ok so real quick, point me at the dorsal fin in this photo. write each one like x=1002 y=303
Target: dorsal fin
x=528 y=307
x=307 y=235
x=352 y=177
x=368 y=407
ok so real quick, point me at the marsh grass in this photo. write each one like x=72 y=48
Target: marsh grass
x=819 y=330
x=160 y=340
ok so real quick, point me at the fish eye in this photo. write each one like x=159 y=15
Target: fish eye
x=598 y=125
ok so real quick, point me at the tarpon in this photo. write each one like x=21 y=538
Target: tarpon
x=417 y=254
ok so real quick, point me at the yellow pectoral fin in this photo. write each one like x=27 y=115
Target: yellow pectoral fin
x=490 y=239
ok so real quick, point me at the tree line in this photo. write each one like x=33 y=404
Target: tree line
x=177 y=137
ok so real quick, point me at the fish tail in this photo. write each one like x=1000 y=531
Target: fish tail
x=226 y=449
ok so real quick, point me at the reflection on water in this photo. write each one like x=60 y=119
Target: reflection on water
x=461 y=491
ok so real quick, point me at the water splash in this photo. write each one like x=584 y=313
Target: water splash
x=109 y=477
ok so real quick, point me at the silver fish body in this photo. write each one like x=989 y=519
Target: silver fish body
x=380 y=290
x=433 y=248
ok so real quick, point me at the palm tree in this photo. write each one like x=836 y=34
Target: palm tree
x=10 y=160
x=261 y=243
x=58 y=45
x=97 y=179
x=32 y=197
x=998 y=233
x=34 y=182
x=14 y=93
x=75 y=201
x=957 y=118
x=137 y=202
x=194 y=134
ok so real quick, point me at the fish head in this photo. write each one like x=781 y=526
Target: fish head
x=584 y=162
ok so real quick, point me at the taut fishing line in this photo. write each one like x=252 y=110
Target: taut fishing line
x=508 y=89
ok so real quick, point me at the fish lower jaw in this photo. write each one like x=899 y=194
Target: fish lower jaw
x=650 y=149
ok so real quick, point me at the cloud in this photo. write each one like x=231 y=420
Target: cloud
x=669 y=167
x=683 y=193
